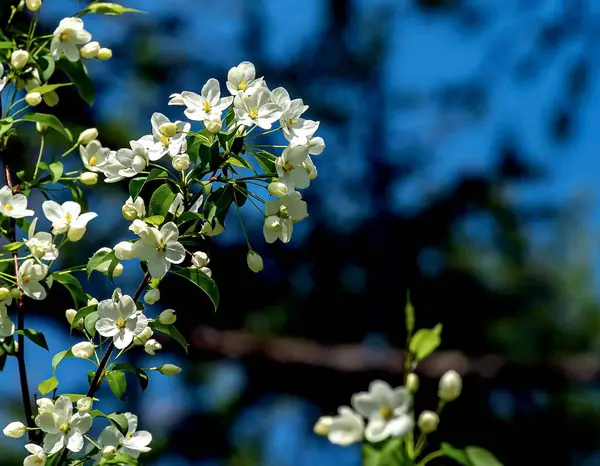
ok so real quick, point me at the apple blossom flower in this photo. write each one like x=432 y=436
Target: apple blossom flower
x=281 y=216
x=62 y=427
x=67 y=36
x=387 y=411
x=294 y=127
x=132 y=443
x=13 y=205
x=159 y=248
x=167 y=317
x=200 y=259
x=346 y=428
x=93 y=155
x=152 y=296
x=67 y=218
x=256 y=109
x=135 y=159
x=85 y=404
x=30 y=274
x=37 y=457
x=90 y=50
x=41 y=244
x=120 y=319
x=161 y=143
x=243 y=78
x=15 y=430
x=290 y=169
x=151 y=346
x=112 y=168
x=207 y=106
x=87 y=136
x=134 y=209
x=83 y=350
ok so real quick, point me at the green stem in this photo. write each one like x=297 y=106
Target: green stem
x=70 y=150
x=237 y=208
x=39 y=159
x=262 y=134
x=431 y=456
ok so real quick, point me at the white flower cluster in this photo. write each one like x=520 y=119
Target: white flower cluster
x=72 y=41
x=387 y=411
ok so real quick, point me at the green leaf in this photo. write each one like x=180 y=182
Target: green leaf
x=117 y=383
x=161 y=200
x=5 y=125
x=240 y=162
x=203 y=281
x=59 y=357
x=137 y=184
x=389 y=453
x=141 y=375
x=83 y=312
x=99 y=257
x=36 y=337
x=266 y=161
x=481 y=457
x=12 y=246
x=76 y=397
x=172 y=331
x=189 y=216
x=72 y=284
x=119 y=421
x=425 y=341
x=48 y=385
x=49 y=120
x=240 y=197
x=155 y=220
x=89 y=323
x=104 y=8
x=48 y=88
x=56 y=168
x=456 y=454
x=46 y=67
x=121 y=459
x=409 y=313
x=6 y=45
x=78 y=74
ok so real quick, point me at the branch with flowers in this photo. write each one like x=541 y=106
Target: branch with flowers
x=184 y=179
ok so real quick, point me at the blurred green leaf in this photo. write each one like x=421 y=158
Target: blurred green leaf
x=201 y=280
x=425 y=341
x=49 y=120
x=48 y=385
x=36 y=337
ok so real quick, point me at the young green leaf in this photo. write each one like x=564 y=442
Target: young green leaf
x=56 y=168
x=119 y=421
x=117 y=383
x=105 y=8
x=59 y=357
x=89 y=323
x=172 y=331
x=141 y=375
x=456 y=454
x=49 y=120
x=12 y=246
x=481 y=457
x=48 y=385
x=36 y=337
x=157 y=220
x=98 y=258
x=74 y=287
x=161 y=200
x=409 y=313
x=48 y=88
x=425 y=341
x=78 y=75
x=83 y=312
x=203 y=281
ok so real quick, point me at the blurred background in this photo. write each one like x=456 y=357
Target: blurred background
x=461 y=163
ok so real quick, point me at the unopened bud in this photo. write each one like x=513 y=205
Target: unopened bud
x=450 y=386
x=168 y=129
x=70 y=315
x=152 y=346
x=428 y=422
x=206 y=271
x=87 y=136
x=277 y=189
x=4 y=293
x=214 y=126
x=41 y=127
x=33 y=99
x=152 y=296
x=143 y=337
x=200 y=259
x=15 y=293
x=84 y=405
x=167 y=317
x=412 y=382
x=169 y=369
x=104 y=54
x=51 y=99
x=19 y=59
x=255 y=262
x=181 y=162
x=90 y=50
x=33 y=5
x=273 y=223
x=323 y=425
x=83 y=350
x=45 y=405
x=92 y=301
x=124 y=250
x=15 y=430
x=109 y=452
x=129 y=212
x=89 y=178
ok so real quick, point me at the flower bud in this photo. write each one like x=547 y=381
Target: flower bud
x=428 y=422
x=4 y=293
x=70 y=315
x=87 y=136
x=15 y=430
x=124 y=250
x=138 y=227
x=45 y=405
x=272 y=223
x=200 y=259
x=208 y=230
x=109 y=452
x=152 y=346
x=33 y=99
x=277 y=189
x=206 y=270
x=255 y=262
x=41 y=127
x=181 y=162
x=450 y=386
x=167 y=317
x=169 y=369
x=412 y=382
x=15 y=293
x=76 y=233
x=214 y=126
x=89 y=178
x=152 y=296
x=83 y=350
x=129 y=212
x=19 y=59
x=323 y=425
x=104 y=54
x=90 y=50
x=84 y=405
x=168 y=129
x=51 y=98
x=33 y=5
x=92 y=301
x=141 y=338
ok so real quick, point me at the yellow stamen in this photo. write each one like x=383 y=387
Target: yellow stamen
x=9 y=207
x=386 y=412
x=288 y=167
x=121 y=323
x=64 y=428
x=64 y=37
x=68 y=217
x=25 y=279
x=165 y=141
x=292 y=121
x=242 y=86
x=93 y=161
x=161 y=246
x=207 y=106
x=254 y=113
x=129 y=436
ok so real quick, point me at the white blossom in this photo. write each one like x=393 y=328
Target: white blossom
x=90 y=50
x=67 y=218
x=87 y=136
x=152 y=296
x=124 y=250
x=120 y=319
x=159 y=248
x=281 y=216
x=134 y=209
x=41 y=244
x=200 y=259
x=256 y=109
x=62 y=427
x=181 y=162
x=243 y=78
x=346 y=428
x=93 y=155
x=135 y=159
x=83 y=350
x=15 y=430
x=2 y=79
x=112 y=168
x=294 y=127
x=13 y=205
x=290 y=169
x=132 y=443
x=30 y=274
x=67 y=36
x=387 y=411
x=37 y=457
x=85 y=404
x=151 y=346
x=19 y=58
x=161 y=144
x=167 y=317
x=207 y=106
